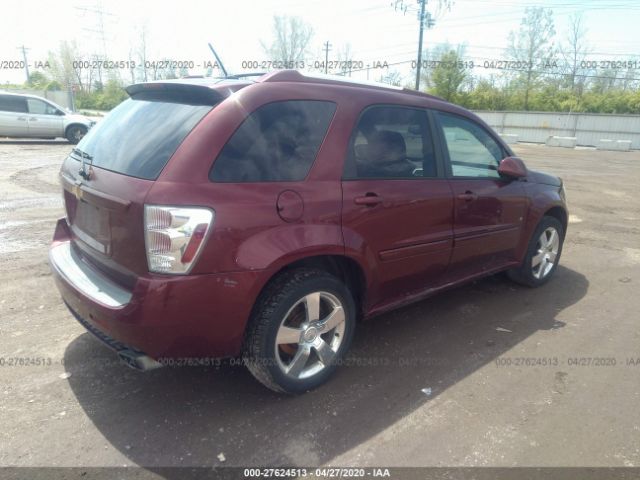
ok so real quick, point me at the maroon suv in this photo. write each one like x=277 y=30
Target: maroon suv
x=228 y=218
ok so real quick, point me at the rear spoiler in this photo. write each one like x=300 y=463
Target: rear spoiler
x=175 y=92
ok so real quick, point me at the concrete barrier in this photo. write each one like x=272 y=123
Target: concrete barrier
x=616 y=145
x=509 y=137
x=566 y=142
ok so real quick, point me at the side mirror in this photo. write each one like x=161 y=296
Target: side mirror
x=512 y=167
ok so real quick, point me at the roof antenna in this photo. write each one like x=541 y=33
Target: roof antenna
x=224 y=70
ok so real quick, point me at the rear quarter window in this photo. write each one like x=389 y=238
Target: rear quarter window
x=11 y=103
x=277 y=142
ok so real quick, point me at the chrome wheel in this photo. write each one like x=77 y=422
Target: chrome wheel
x=546 y=254
x=310 y=335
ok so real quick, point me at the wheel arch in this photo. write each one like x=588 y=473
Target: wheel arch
x=343 y=267
x=560 y=214
x=74 y=124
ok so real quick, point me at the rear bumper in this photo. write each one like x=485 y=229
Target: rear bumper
x=196 y=316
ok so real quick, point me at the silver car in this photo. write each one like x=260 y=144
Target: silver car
x=36 y=117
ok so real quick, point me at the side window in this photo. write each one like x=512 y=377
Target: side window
x=11 y=103
x=391 y=142
x=38 y=107
x=472 y=151
x=278 y=142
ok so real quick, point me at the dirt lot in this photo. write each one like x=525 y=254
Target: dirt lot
x=546 y=377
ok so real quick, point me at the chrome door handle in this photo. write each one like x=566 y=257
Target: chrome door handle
x=468 y=196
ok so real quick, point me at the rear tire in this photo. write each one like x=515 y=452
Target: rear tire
x=301 y=327
x=75 y=133
x=543 y=254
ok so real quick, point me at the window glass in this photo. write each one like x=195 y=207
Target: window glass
x=277 y=142
x=472 y=151
x=391 y=142
x=138 y=137
x=38 y=107
x=11 y=103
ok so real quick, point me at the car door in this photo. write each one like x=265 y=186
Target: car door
x=489 y=210
x=13 y=116
x=397 y=207
x=44 y=119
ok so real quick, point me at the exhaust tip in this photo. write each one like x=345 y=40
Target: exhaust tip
x=138 y=360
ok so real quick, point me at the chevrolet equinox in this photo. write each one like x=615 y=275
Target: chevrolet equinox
x=210 y=218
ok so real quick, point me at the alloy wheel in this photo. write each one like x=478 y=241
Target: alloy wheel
x=310 y=335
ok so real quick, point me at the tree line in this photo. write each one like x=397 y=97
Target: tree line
x=536 y=71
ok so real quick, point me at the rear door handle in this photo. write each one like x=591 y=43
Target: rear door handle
x=468 y=196
x=368 y=200
x=22 y=118
x=33 y=119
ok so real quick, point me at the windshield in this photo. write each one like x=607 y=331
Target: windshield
x=139 y=137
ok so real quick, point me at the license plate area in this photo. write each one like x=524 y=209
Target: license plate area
x=92 y=226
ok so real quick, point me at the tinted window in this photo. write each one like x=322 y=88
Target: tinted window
x=391 y=142
x=277 y=142
x=472 y=151
x=139 y=137
x=38 y=107
x=10 y=103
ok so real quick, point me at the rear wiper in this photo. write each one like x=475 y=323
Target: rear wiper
x=84 y=156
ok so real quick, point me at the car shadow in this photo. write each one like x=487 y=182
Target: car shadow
x=188 y=416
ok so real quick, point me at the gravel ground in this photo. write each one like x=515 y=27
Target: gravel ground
x=489 y=374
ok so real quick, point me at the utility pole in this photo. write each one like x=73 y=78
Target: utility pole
x=421 y=20
x=24 y=57
x=327 y=47
x=426 y=21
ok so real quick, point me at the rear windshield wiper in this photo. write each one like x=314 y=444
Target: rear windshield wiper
x=84 y=156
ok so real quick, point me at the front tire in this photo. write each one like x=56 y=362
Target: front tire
x=75 y=133
x=543 y=254
x=302 y=326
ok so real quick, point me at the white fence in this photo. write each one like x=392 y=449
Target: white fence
x=588 y=128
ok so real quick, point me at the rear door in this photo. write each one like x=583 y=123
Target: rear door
x=44 y=119
x=13 y=116
x=397 y=209
x=489 y=209
x=107 y=176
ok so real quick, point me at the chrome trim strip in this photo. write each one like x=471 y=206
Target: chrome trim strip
x=87 y=279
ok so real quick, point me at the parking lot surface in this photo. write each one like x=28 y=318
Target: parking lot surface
x=489 y=374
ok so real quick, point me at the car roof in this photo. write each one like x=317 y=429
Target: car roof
x=295 y=76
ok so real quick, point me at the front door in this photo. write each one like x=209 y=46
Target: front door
x=489 y=209
x=397 y=207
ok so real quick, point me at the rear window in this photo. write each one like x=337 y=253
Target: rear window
x=11 y=103
x=276 y=143
x=139 y=137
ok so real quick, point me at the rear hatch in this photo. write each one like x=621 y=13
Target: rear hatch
x=108 y=175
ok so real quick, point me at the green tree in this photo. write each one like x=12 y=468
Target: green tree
x=448 y=76
x=532 y=46
x=38 y=80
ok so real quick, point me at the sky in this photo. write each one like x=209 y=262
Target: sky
x=376 y=30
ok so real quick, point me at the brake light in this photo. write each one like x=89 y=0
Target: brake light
x=174 y=237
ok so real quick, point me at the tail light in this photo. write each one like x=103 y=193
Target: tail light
x=174 y=237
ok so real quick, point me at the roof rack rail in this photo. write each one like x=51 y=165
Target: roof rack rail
x=297 y=76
